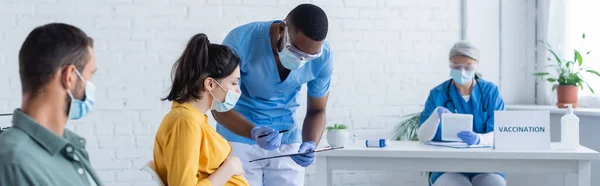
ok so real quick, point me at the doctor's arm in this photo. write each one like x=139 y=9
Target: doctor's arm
x=429 y=127
x=234 y=122
x=429 y=121
x=314 y=122
x=496 y=103
x=238 y=124
x=318 y=93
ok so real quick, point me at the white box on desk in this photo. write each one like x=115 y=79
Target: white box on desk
x=522 y=130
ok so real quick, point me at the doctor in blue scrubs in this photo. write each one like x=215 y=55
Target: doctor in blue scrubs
x=464 y=93
x=277 y=58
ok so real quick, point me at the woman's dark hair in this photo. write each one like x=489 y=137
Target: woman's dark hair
x=200 y=60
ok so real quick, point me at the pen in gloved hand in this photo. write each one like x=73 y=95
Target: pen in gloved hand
x=281 y=131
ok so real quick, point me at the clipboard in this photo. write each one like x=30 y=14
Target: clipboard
x=288 y=155
x=457 y=145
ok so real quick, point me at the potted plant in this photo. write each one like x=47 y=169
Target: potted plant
x=337 y=135
x=407 y=128
x=567 y=76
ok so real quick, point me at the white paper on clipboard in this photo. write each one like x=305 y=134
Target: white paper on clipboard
x=287 y=155
x=452 y=124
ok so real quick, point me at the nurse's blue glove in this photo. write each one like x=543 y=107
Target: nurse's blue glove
x=305 y=160
x=470 y=138
x=269 y=142
x=442 y=110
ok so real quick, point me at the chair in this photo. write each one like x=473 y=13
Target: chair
x=149 y=167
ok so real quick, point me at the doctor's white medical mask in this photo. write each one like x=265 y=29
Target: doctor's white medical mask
x=462 y=73
x=462 y=77
x=293 y=58
x=231 y=99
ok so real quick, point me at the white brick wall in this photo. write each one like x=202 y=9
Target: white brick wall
x=388 y=54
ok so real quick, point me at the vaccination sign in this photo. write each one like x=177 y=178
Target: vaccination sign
x=522 y=130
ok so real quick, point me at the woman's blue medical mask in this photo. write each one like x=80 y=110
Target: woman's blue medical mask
x=462 y=77
x=293 y=58
x=231 y=99
x=81 y=108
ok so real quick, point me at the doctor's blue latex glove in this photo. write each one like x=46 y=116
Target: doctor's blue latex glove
x=470 y=138
x=442 y=110
x=305 y=160
x=269 y=142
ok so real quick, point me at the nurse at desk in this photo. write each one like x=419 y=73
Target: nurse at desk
x=464 y=93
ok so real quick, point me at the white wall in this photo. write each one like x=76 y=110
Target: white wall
x=505 y=32
x=388 y=55
x=483 y=26
x=517 y=51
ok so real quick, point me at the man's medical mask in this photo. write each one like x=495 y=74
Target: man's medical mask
x=231 y=99
x=79 y=109
x=293 y=58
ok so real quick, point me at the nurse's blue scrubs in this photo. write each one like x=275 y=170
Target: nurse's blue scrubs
x=484 y=100
x=266 y=100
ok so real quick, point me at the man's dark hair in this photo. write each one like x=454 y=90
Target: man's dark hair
x=49 y=48
x=200 y=59
x=310 y=20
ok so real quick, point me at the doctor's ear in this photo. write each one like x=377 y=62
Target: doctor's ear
x=281 y=28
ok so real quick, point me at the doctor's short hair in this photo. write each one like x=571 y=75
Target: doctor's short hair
x=464 y=48
x=49 y=48
x=200 y=60
x=310 y=20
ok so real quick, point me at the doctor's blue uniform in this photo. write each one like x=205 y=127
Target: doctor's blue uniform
x=484 y=100
x=266 y=100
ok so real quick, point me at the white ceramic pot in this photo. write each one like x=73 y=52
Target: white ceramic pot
x=337 y=137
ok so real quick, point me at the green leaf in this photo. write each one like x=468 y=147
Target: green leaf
x=554 y=87
x=583 y=36
x=548 y=58
x=541 y=74
x=578 y=57
x=580 y=85
x=551 y=80
x=330 y=128
x=589 y=87
x=587 y=53
x=593 y=72
x=553 y=53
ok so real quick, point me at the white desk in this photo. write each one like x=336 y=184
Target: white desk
x=415 y=156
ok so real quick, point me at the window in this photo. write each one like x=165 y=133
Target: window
x=582 y=17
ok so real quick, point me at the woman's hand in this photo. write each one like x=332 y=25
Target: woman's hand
x=469 y=137
x=234 y=165
x=442 y=110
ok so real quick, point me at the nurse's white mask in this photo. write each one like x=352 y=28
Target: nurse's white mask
x=293 y=58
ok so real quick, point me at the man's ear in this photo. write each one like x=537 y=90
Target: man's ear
x=68 y=78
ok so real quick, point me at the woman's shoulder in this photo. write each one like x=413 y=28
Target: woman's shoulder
x=180 y=117
x=488 y=85
x=441 y=87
